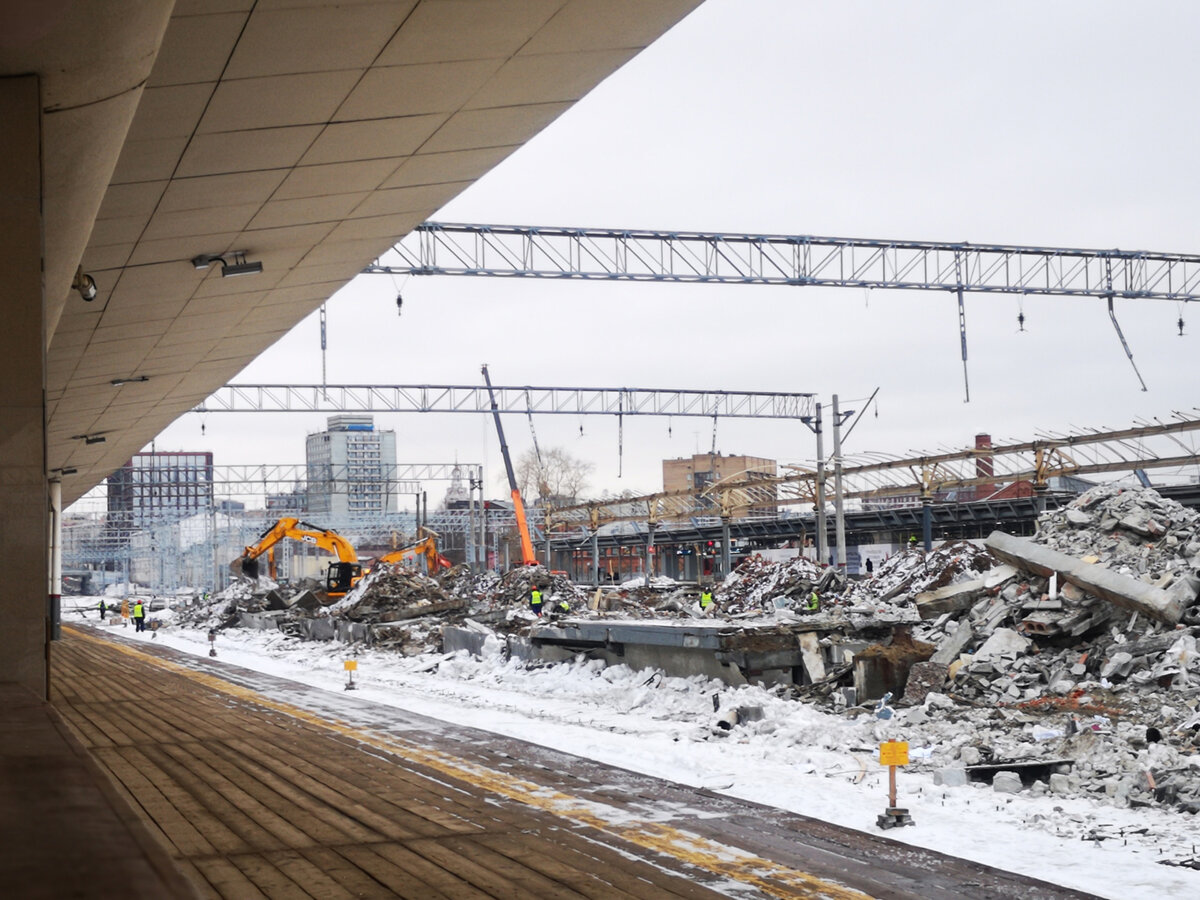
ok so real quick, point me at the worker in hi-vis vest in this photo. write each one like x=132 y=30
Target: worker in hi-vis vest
x=535 y=601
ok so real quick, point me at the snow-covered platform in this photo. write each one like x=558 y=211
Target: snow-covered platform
x=262 y=786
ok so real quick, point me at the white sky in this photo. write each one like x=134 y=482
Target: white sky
x=1064 y=124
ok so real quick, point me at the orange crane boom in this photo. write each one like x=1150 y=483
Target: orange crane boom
x=527 y=555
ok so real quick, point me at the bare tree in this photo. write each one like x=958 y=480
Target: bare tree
x=560 y=476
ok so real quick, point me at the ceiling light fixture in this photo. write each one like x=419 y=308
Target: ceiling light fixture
x=89 y=438
x=239 y=266
x=66 y=470
x=117 y=382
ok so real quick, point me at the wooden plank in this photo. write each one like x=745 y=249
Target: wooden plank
x=303 y=871
x=400 y=882
x=450 y=883
x=348 y=875
x=414 y=807
x=303 y=796
x=223 y=838
x=202 y=885
x=638 y=879
x=268 y=820
x=227 y=879
x=564 y=865
x=89 y=734
x=251 y=835
x=524 y=879
x=155 y=809
x=267 y=878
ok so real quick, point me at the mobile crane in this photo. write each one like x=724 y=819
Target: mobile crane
x=341 y=575
x=527 y=556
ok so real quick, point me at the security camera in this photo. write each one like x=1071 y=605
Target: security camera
x=85 y=284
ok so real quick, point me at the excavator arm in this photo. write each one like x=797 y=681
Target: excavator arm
x=341 y=575
x=423 y=554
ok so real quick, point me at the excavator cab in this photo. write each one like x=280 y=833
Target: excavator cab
x=341 y=577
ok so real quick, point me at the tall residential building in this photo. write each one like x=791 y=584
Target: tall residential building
x=155 y=487
x=350 y=467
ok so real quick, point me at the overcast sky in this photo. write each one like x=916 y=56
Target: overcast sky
x=1063 y=124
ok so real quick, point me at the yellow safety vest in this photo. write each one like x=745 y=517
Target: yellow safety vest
x=706 y=600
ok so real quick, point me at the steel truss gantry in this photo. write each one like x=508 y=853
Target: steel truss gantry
x=449 y=398
x=701 y=257
x=608 y=254
x=1151 y=445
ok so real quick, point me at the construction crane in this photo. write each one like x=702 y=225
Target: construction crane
x=527 y=556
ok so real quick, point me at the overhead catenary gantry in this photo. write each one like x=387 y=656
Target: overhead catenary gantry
x=451 y=398
x=699 y=257
x=524 y=399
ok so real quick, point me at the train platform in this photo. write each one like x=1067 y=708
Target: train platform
x=224 y=782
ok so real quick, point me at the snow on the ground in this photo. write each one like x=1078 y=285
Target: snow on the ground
x=796 y=758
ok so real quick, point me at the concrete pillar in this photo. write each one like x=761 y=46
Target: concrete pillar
x=24 y=644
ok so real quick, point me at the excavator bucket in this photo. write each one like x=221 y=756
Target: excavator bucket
x=243 y=567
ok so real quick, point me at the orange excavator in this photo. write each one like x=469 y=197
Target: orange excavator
x=527 y=555
x=422 y=555
x=341 y=575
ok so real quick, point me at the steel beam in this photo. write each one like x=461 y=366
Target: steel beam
x=603 y=254
x=449 y=398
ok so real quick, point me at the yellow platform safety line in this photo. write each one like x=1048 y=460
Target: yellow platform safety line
x=770 y=877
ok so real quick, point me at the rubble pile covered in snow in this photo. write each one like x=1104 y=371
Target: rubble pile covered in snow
x=390 y=594
x=1027 y=669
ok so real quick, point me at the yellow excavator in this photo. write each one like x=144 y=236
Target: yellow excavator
x=421 y=555
x=340 y=577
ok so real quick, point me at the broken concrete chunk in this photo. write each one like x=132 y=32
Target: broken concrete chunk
x=1078 y=518
x=1121 y=590
x=1006 y=783
x=951 y=776
x=953 y=645
x=950 y=598
x=1119 y=663
x=1060 y=784
x=1003 y=642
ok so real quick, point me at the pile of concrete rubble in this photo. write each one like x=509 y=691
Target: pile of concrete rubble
x=1071 y=664
x=1067 y=662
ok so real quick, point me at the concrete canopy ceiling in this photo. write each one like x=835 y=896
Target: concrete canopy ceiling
x=311 y=135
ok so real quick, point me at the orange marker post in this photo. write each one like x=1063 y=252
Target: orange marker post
x=351 y=666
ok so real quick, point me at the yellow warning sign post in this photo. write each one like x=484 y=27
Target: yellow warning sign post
x=351 y=666
x=893 y=754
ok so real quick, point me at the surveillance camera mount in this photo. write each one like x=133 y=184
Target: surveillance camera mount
x=238 y=266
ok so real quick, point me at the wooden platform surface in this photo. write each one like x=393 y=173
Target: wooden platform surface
x=251 y=802
x=257 y=786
